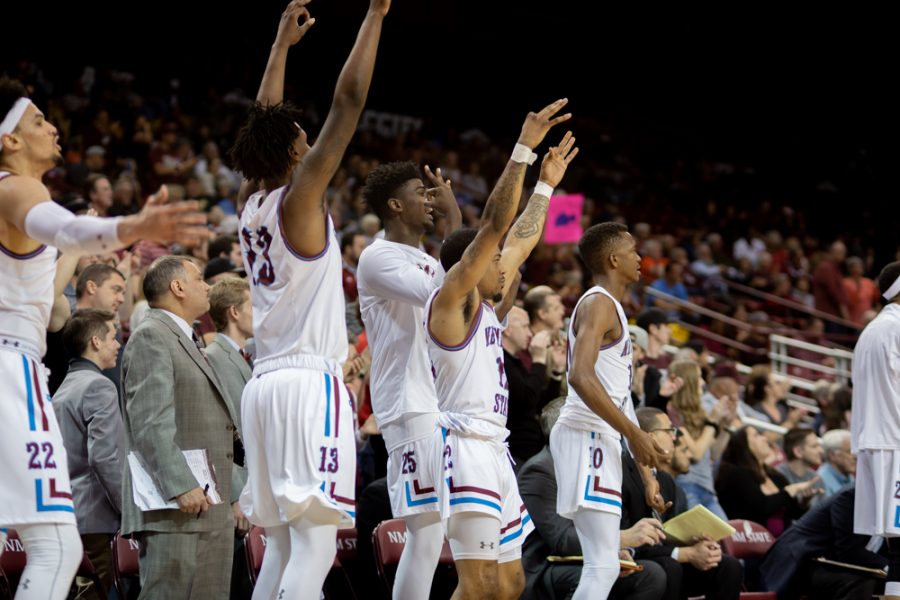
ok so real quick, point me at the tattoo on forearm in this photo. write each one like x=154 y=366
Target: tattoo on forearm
x=504 y=196
x=532 y=220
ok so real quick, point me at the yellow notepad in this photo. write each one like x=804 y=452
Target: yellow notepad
x=695 y=523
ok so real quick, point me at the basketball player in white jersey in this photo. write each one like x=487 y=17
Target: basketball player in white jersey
x=485 y=518
x=35 y=497
x=395 y=278
x=299 y=436
x=585 y=442
x=875 y=422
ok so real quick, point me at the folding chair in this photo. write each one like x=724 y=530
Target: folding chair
x=126 y=562
x=750 y=541
x=13 y=562
x=254 y=549
x=388 y=541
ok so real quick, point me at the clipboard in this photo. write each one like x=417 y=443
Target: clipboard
x=146 y=493
x=877 y=572
x=624 y=565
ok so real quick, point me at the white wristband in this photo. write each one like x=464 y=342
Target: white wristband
x=523 y=154
x=544 y=189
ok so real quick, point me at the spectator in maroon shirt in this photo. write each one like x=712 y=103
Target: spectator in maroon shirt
x=828 y=284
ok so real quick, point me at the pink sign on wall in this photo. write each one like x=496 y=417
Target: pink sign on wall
x=563 y=224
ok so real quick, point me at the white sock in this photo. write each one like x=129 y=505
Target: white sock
x=54 y=554
x=598 y=533
x=424 y=541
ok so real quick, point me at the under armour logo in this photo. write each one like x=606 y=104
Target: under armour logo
x=487 y=545
x=24 y=584
x=281 y=594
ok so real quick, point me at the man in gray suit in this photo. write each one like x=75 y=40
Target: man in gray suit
x=87 y=409
x=232 y=313
x=174 y=402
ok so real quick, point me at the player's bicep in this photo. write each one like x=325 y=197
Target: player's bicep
x=592 y=323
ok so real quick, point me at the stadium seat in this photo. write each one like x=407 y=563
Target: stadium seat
x=388 y=540
x=337 y=584
x=14 y=559
x=750 y=541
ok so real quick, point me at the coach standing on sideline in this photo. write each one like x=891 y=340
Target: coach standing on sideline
x=173 y=402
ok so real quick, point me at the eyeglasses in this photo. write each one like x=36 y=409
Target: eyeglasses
x=673 y=431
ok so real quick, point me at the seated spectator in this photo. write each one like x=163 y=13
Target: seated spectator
x=671 y=283
x=556 y=536
x=837 y=413
x=656 y=324
x=803 y=451
x=789 y=568
x=839 y=468
x=766 y=395
x=749 y=489
x=693 y=570
x=704 y=434
x=657 y=424
x=87 y=409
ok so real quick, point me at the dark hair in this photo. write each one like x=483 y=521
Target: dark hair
x=347 y=239
x=597 y=243
x=383 y=183
x=221 y=245
x=794 y=439
x=222 y=296
x=262 y=149
x=648 y=417
x=651 y=316
x=696 y=345
x=98 y=273
x=756 y=389
x=10 y=91
x=888 y=276
x=738 y=454
x=160 y=274
x=841 y=402
x=90 y=183
x=84 y=324
x=455 y=246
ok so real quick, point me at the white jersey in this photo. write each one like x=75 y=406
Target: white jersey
x=876 y=383
x=614 y=370
x=26 y=297
x=470 y=378
x=298 y=301
x=394 y=282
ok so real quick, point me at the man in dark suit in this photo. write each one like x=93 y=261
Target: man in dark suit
x=174 y=402
x=693 y=570
x=87 y=409
x=556 y=536
x=826 y=530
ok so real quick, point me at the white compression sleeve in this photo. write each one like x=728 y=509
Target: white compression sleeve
x=51 y=224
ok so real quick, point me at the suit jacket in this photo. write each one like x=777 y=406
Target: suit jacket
x=87 y=409
x=634 y=506
x=233 y=373
x=553 y=535
x=174 y=402
x=826 y=530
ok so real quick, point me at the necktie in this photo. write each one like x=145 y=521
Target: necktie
x=246 y=356
x=200 y=347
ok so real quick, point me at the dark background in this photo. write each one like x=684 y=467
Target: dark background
x=804 y=97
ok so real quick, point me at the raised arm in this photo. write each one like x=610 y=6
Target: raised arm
x=499 y=211
x=596 y=321
x=290 y=31
x=528 y=227
x=303 y=207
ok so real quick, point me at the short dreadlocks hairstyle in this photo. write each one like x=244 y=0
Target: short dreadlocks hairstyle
x=383 y=183
x=262 y=148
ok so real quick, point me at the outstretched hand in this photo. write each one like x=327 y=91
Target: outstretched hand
x=557 y=160
x=538 y=124
x=290 y=29
x=164 y=223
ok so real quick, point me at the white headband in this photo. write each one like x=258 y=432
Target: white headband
x=893 y=290
x=12 y=118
